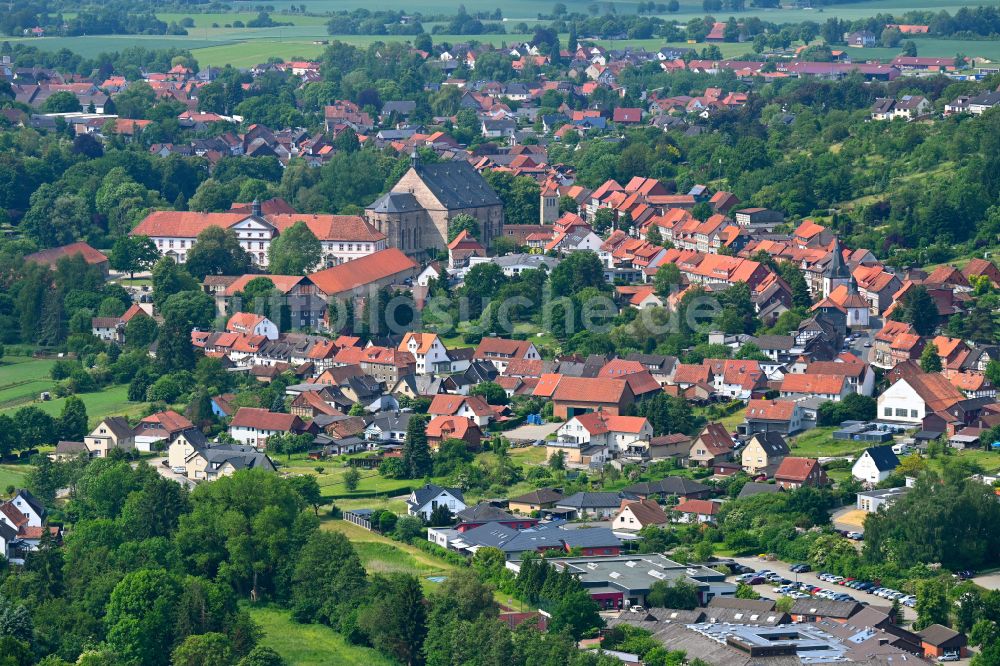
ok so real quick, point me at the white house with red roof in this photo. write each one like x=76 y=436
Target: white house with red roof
x=598 y=428
x=252 y=426
x=159 y=427
x=473 y=407
x=696 y=511
x=247 y=323
x=501 y=351
x=428 y=350
x=342 y=238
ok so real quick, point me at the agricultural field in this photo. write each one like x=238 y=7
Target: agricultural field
x=22 y=379
x=310 y=644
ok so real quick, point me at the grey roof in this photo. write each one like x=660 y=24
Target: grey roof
x=32 y=501
x=671 y=485
x=240 y=457
x=753 y=488
x=759 y=605
x=402 y=107
x=391 y=420
x=484 y=511
x=937 y=634
x=7 y=533
x=584 y=500
x=528 y=260
x=540 y=496
x=118 y=426
x=825 y=608
x=654 y=362
x=422 y=496
x=194 y=436
x=64 y=447
x=772 y=442
x=457 y=184
x=784 y=342
x=885 y=460
x=395 y=202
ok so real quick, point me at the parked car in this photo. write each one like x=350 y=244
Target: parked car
x=949 y=656
x=856 y=536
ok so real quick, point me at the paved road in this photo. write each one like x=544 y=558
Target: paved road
x=810 y=577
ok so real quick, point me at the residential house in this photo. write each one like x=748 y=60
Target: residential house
x=875 y=464
x=794 y=472
x=713 y=445
x=600 y=505
x=763 y=453
x=424 y=500
x=536 y=500
x=114 y=432
x=696 y=511
x=501 y=352
x=784 y=417
x=252 y=426
x=825 y=387
x=441 y=428
x=636 y=514
x=618 y=433
x=158 y=428
x=428 y=350
x=472 y=407
x=912 y=398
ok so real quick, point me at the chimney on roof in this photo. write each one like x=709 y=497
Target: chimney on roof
x=255 y=208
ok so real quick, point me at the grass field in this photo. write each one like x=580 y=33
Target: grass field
x=22 y=379
x=381 y=554
x=819 y=443
x=12 y=475
x=310 y=644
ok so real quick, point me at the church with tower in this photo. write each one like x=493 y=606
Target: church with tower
x=415 y=214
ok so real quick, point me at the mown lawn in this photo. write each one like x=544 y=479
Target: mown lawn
x=310 y=644
x=112 y=401
x=819 y=443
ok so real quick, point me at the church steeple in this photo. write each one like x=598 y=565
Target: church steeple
x=414 y=159
x=837 y=269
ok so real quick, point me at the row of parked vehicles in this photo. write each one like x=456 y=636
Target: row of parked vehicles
x=871 y=588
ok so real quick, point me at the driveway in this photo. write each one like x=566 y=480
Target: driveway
x=988 y=581
x=167 y=473
x=530 y=433
x=850 y=519
x=810 y=577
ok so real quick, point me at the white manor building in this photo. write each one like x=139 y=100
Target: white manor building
x=343 y=237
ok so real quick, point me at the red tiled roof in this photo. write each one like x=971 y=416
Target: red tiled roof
x=813 y=384
x=770 y=410
x=381 y=265
x=169 y=420
x=795 y=469
x=599 y=423
x=698 y=506
x=330 y=227
x=183 y=224
x=587 y=389
x=263 y=419
x=54 y=254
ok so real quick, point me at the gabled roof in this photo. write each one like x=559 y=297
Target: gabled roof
x=883 y=457
x=795 y=469
x=698 y=506
x=588 y=500
x=599 y=423
x=264 y=419
x=381 y=265
x=425 y=494
x=540 y=496
x=813 y=384
x=54 y=254
x=457 y=185
x=935 y=390
x=772 y=442
x=647 y=512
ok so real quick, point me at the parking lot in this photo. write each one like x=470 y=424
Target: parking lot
x=811 y=578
